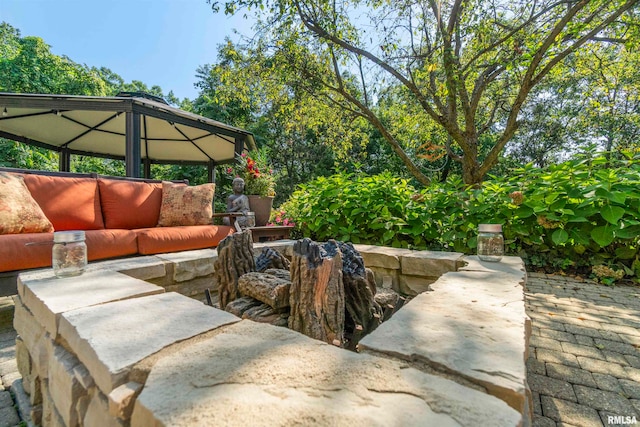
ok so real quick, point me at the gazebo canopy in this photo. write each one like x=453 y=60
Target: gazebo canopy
x=137 y=128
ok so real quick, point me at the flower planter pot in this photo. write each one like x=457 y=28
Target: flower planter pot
x=261 y=205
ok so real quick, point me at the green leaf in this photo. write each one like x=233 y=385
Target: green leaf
x=617 y=197
x=560 y=236
x=630 y=232
x=612 y=214
x=578 y=219
x=626 y=252
x=603 y=236
x=524 y=212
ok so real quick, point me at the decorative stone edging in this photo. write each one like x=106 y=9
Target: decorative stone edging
x=110 y=348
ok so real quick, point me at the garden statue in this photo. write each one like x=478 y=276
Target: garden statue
x=239 y=203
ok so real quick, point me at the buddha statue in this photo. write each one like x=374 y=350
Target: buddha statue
x=239 y=203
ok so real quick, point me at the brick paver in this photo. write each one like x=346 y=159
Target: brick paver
x=594 y=377
x=9 y=417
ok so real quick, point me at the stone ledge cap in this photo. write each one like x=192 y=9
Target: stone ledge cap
x=110 y=338
x=47 y=297
x=256 y=374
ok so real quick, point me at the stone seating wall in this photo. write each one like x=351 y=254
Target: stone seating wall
x=121 y=345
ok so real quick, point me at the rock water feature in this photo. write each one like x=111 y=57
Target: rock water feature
x=324 y=292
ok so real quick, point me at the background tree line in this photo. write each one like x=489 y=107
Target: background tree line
x=422 y=90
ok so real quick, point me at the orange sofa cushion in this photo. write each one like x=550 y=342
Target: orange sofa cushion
x=107 y=243
x=128 y=204
x=69 y=203
x=172 y=239
x=14 y=255
x=101 y=244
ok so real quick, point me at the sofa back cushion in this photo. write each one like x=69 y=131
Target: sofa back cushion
x=69 y=203
x=19 y=212
x=130 y=204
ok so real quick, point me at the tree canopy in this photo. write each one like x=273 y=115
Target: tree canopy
x=466 y=67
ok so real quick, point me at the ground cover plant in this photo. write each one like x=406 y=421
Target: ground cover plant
x=580 y=216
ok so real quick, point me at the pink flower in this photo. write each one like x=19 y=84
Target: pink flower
x=229 y=170
x=244 y=154
x=286 y=221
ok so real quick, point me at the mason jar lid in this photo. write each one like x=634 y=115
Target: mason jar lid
x=490 y=228
x=68 y=236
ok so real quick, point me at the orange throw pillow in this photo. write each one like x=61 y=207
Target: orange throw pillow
x=186 y=205
x=19 y=212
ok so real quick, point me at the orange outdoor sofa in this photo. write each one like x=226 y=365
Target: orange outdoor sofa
x=119 y=216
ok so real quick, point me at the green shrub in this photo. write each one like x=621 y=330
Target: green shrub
x=360 y=209
x=572 y=216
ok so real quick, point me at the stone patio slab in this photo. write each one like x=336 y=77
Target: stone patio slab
x=107 y=338
x=141 y=267
x=253 y=374
x=48 y=297
x=466 y=328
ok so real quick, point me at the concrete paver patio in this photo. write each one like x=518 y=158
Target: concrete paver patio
x=584 y=364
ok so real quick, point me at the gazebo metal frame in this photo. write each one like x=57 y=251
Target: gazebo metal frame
x=138 y=128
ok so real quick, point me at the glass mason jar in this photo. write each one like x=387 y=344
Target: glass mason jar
x=69 y=253
x=490 y=242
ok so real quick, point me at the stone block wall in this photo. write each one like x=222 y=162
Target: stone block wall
x=405 y=271
x=110 y=348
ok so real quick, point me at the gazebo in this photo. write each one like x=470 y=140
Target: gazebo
x=138 y=128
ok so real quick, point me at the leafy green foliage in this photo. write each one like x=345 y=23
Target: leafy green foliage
x=575 y=215
x=28 y=66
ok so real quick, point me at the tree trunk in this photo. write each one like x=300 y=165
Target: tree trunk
x=471 y=174
x=316 y=295
x=235 y=258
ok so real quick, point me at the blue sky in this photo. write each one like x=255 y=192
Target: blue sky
x=159 y=42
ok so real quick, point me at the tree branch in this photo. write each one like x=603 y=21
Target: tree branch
x=531 y=79
x=367 y=113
